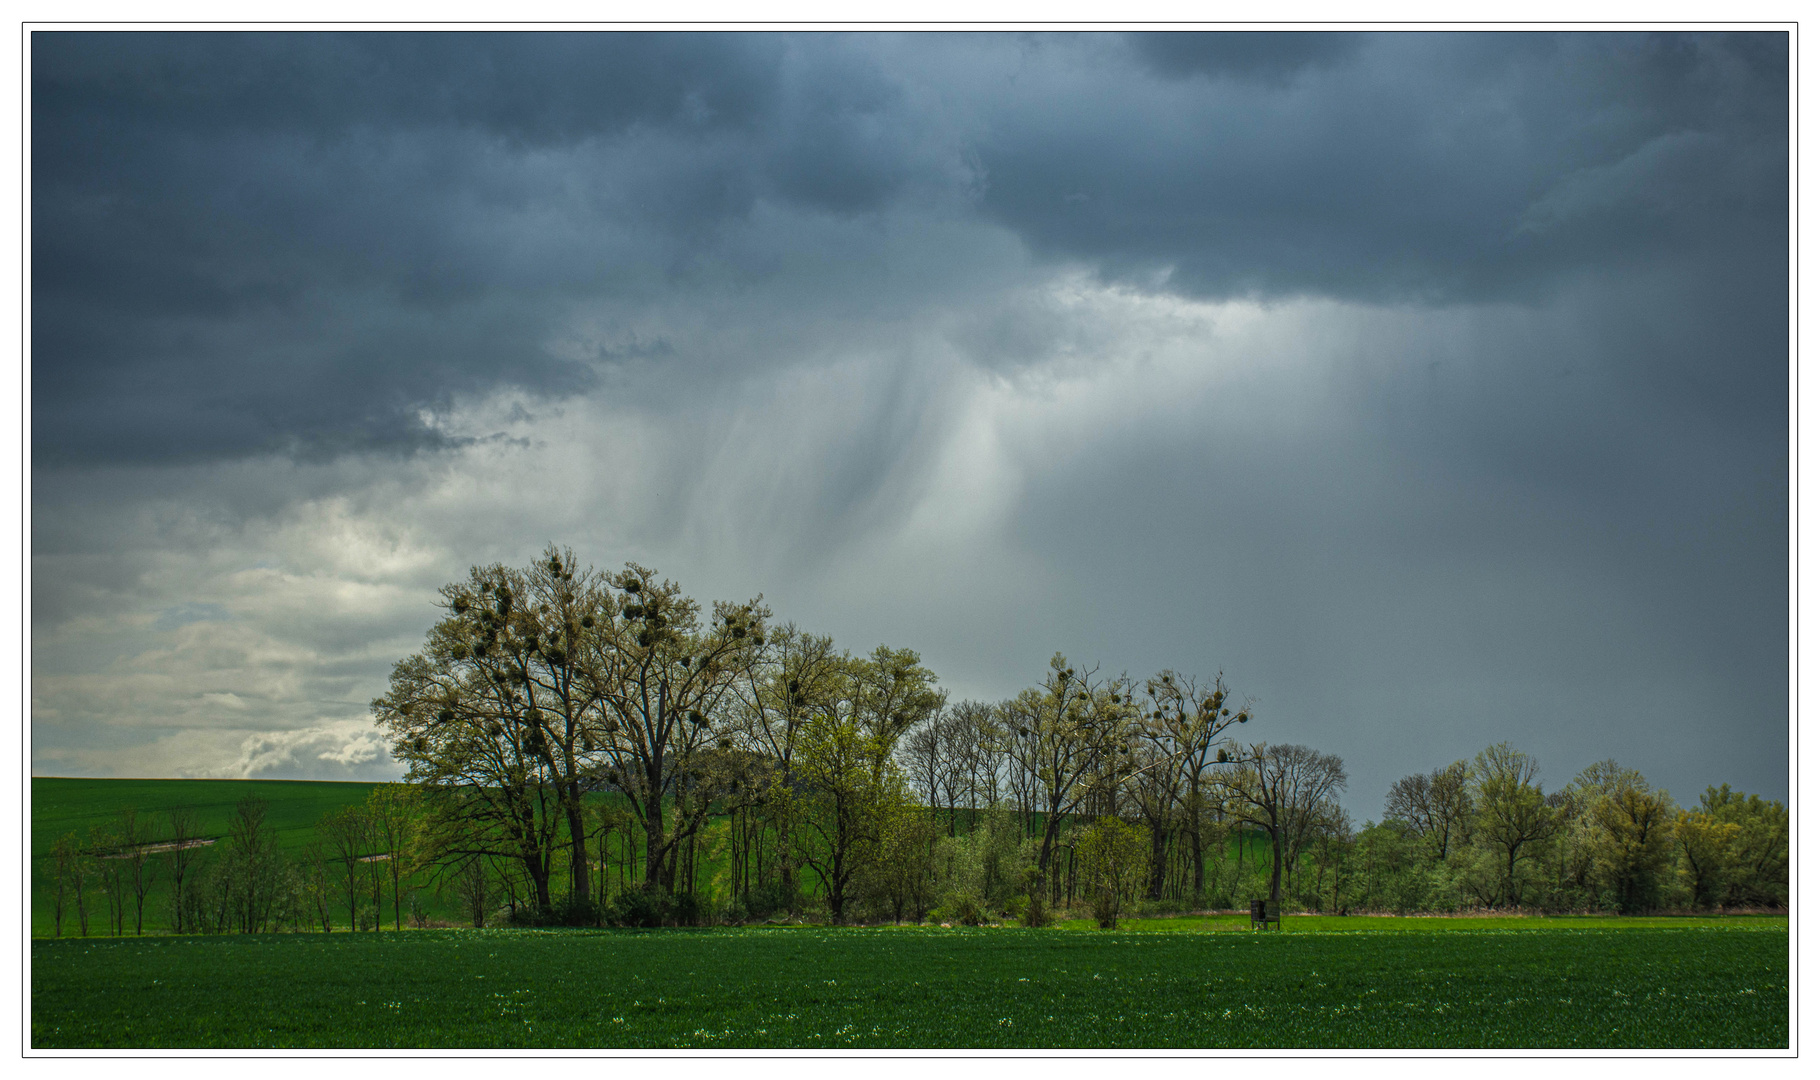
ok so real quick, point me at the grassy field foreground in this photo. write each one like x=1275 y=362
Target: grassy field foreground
x=1407 y=983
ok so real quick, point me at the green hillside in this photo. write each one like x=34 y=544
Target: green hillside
x=63 y=805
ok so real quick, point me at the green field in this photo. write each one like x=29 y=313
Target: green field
x=1176 y=982
x=1456 y=983
x=62 y=806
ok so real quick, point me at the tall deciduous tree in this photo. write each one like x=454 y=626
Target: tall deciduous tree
x=186 y=845
x=1279 y=788
x=669 y=710
x=393 y=813
x=1511 y=812
x=1761 y=854
x=494 y=716
x=1708 y=850
x=1071 y=734
x=348 y=833
x=851 y=787
x=1181 y=721
x=1635 y=849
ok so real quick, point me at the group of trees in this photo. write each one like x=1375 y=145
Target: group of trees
x=240 y=880
x=1485 y=834
x=852 y=776
x=586 y=747
x=543 y=685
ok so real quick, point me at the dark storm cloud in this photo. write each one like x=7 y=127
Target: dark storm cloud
x=1396 y=167
x=302 y=243
x=1269 y=56
x=309 y=243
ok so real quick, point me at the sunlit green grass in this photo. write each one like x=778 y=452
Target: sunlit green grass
x=1541 y=984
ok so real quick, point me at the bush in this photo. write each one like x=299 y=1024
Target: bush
x=734 y=913
x=769 y=899
x=963 y=908
x=688 y=910
x=1036 y=913
x=638 y=907
x=574 y=911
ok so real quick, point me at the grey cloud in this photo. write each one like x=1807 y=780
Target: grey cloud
x=301 y=243
x=307 y=243
x=1265 y=55
x=1406 y=167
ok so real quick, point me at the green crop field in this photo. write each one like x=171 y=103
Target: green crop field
x=1456 y=983
x=61 y=805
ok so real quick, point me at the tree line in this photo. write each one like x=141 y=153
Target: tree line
x=584 y=747
x=855 y=777
x=240 y=880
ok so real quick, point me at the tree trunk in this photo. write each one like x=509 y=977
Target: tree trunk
x=1276 y=866
x=656 y=851
x=1195 y=850
x=1159 y=864
x=578 y=839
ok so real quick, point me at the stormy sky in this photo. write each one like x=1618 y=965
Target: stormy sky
x=1432 y=386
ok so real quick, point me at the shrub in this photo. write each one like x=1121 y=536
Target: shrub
x=769 y=899
x=573 y=911
x=688 y=910
x=963 y=908
x=1036 y=913
x=638 y=907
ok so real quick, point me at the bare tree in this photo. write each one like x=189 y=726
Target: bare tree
x=136 y=840
x=976 y=742
x=1436 y=804
x=255 y=871
x=185 y=849
x=499 y=714
x=104 y=841
x=1329 y=850
x=392 y=813
x=922 y=756
x=474 y=891
x=348 y=834
x=668 y=705
x=66 y=864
